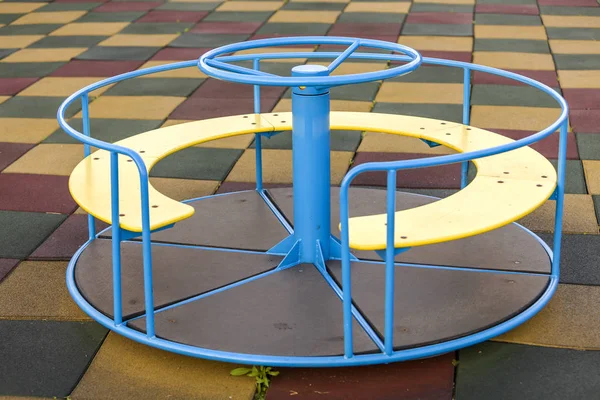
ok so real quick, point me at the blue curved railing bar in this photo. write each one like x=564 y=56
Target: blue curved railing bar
x=258 y=78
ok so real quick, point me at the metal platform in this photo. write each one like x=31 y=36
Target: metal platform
x=234 y=299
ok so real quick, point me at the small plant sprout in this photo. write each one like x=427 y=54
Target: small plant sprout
x=262 y=376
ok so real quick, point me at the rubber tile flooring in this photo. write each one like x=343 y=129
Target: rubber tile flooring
x=48 y=50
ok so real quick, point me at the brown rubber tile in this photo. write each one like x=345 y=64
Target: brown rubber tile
x=547 y=147
x=585 y=121
x=173 y=16
x=12 y=86
x=11 y=152
x=36 y=193
x=498 y=8
x=582 y=98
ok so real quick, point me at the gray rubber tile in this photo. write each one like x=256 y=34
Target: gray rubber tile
x=206 y=40
x=309 y=6
x=8 y=18
x=339 y=141
x=18 y=239
x=573 y=33
x=293 y=28
x=126 y=16
x=6 y=52
x=157 y=28
x=512 y=45
x=54 y=7
x=577 y=61
x=597 y=206
x=588 y=146
x=118 y=53
x=37 y=29
x=366 y=17
x=451 y=8
x=438 y=29
x=560 y=10
x=67 y=41
x=507 y=19
x=6 y=266
x=35 y=107
x=251 y=16
x=197 y=163
x=28 y=70
x=495 y=371
x=46 y=358
x=108 y=130
x=574 y=177
x=579 y=259
x=505 y=95
x=431 y=74
x=183 y=6
x=448 y=112
x=178 y=87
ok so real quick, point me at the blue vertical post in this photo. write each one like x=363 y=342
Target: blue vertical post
x=147 y=252
x=257 y=136
x=116 y=238
x=560 y=194
x=85 y=118
x=388 y=335
x=466 y=120
x=346 y=275
x=311 y=164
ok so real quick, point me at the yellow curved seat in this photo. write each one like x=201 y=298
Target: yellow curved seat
x=507 y=186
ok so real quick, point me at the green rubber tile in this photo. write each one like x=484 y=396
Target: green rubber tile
x=108 y=130
x=577 y=61
x=35 y=107
x=6 y=52
x=118 y=53
x=323 y=6
x=157 y=28
x=178 y=87
x=451 y=8
x=526 y=372
x=184 y=6
x=505 y=95
x=28 y=70
x=588 y=146
x=596 y=199
x=365 y=17
x=573 y=33
x=206 y=40
x=46 y=358
x=578 y=257
x=512 y=45
x=438 y=29
x=582 y=11
x=294 y=28
x=54 y=7
x=8 y=18
x=18 y=239
x=574 y=178
x=67 y=41
x=197 y=163
x=507 y=19
x=339 y=141
x=234 y=16
x=126 y=16
x=447 y=112
x=432 y=74
x=34 y=29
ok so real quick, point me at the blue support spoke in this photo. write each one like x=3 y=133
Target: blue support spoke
x=236 y=68
x=342 y=57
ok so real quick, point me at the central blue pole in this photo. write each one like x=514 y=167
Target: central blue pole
x=311 y=165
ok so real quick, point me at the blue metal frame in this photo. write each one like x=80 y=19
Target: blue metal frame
x=215 y=63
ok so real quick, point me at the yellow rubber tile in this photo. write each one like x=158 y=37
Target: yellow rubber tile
x=234 y=142
x=18 y=41
x=4 y=98
x=250 y=6
x=320 y=1
x=90 y=29
x=184 y=189
x=326 y=17
x=381 y=7
x=48 y=159
x=591 y=169
x=26 y=130
x=124 y=369
x=579 y=79
x=509 y=117
x=19 y=8
x=579 y=216
x=61 y=87
x=133 y=107
x=507 y=60
x=569 y=320
x=437 y=43
x=386 y=143
x=62 y=17
x=44 y=55
x=570 y=21
x=575 y=46
x=510 y=32
x=277 y=166
x=138 y=40
x=285 y=105
x=190 y=72
x=430 y=93
x=36 y=290
x=446 y=1
x=354 y=67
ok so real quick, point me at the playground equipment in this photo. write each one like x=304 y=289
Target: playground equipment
x=294 y=276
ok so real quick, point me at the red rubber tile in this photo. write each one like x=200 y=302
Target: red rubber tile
x=96 y=68
x=582 y=98
x=431 y=378
x=274 y=35
x=201 y=108
x=172 y=16
x=10 y=152
x=64 y=241
x=569 y=3
x=216 y=89
x=546 y=77
x=547 y=147
x=36 y=193
x=12 y=86
x=585 y=121
x=226 y=27
x=443 y=177
x=521 y=9
x=385 y=38
x=81 y=1
x=449 y=55
x=179 y=54
x=228 y=187
x=350 y=29
x=6 y=265
x=123 y=6
x=439 y=18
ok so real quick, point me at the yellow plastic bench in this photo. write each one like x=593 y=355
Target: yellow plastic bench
x=507 y=186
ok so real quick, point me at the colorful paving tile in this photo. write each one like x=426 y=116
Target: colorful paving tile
x=50 y=49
